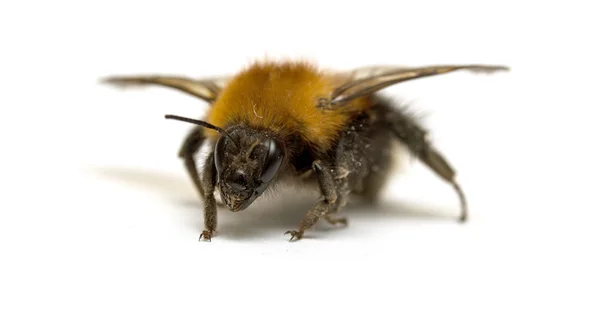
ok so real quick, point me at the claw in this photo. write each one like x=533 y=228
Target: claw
x=206 y=234
x=295 y=235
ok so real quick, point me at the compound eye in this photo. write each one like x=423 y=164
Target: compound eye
x=220 y=153
x=273 y=160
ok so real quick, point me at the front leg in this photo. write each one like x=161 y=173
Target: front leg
x=210 y=204
x=326 y=206
x=189 y=148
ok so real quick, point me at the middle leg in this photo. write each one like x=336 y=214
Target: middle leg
x=326 y=206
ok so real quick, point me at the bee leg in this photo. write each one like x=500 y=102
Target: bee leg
x=342 y=199
x=189 y=148
x=408 y=131
x=208 y=182
x=326 y=206
x=341 y=221
x=205 y=182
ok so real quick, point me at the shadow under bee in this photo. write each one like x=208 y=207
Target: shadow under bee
x=271 y=214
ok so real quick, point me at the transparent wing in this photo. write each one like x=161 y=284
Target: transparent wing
x=370 y=71
x=367 y=80
x=207 y=89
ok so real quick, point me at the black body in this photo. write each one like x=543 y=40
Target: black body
x=357 y=164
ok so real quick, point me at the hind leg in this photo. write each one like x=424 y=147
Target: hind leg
x=364 y=159
x=406 y=129
x=373 y=147
x=380 y=166
x=331 y=217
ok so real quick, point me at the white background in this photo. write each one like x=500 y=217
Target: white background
x=97 y=215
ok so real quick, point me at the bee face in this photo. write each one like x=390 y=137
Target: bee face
x=246 y=164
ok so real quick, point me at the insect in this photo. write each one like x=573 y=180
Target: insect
x=292 y=121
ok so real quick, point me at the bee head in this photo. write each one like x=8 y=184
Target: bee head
x=246 y=163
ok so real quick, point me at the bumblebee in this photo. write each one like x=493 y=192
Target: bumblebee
x=274 y=122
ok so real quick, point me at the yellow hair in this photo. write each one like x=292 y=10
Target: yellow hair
x=283 y=98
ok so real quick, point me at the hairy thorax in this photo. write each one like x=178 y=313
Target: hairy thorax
x=283 y=98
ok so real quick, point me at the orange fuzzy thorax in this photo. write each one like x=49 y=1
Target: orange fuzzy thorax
x=283 y=98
